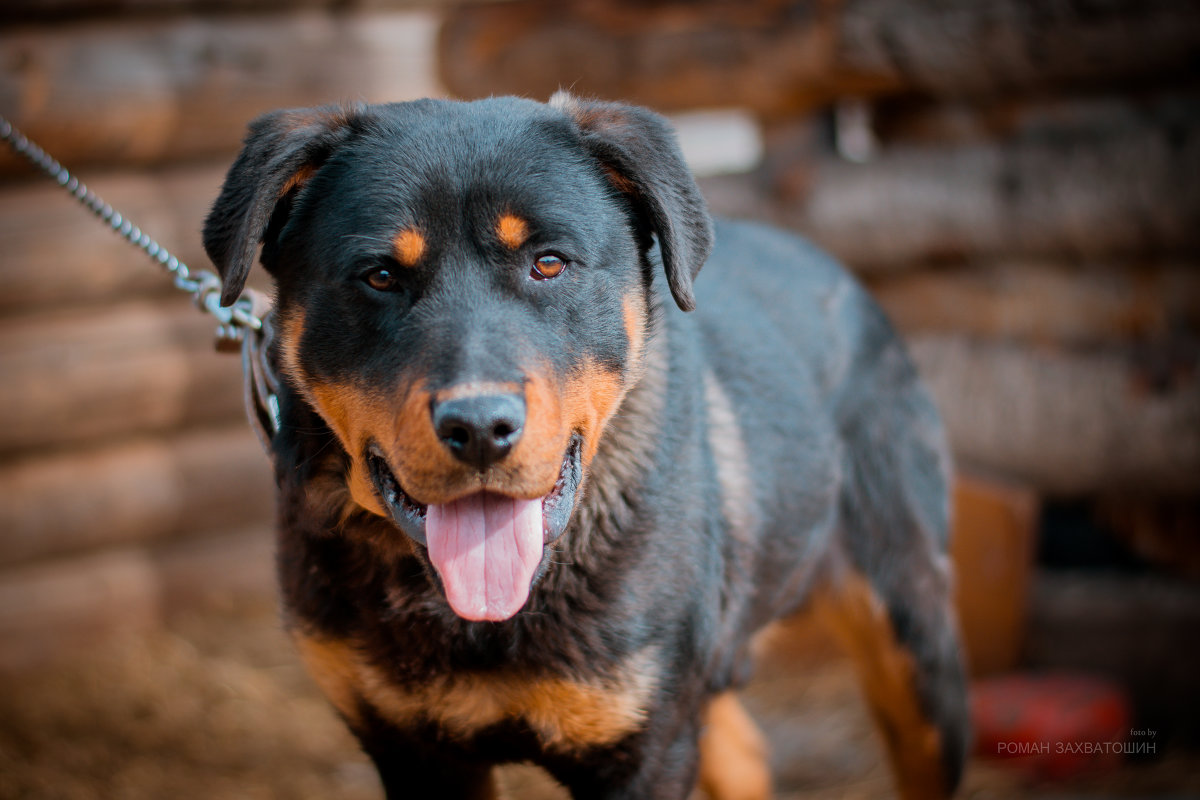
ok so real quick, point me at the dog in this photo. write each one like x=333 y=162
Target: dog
x=529 y=509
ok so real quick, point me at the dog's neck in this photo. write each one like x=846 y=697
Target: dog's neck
x=626 y=450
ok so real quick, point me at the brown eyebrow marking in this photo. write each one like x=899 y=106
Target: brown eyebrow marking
x=408 y=246
x=512 y=230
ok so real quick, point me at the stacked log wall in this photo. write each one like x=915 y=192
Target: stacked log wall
x=1028 y=215
x=131 y=485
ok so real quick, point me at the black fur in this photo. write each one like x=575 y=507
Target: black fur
x=667 y=553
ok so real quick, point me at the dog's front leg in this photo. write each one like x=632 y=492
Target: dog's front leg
x=647 y=766
x=410 y=771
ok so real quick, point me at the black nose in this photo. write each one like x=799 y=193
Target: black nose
x=480 y=430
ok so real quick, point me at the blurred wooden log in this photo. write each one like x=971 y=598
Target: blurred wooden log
x=1078 y=196
x=149 y=489
x=1094 y=197
x=782 y=57
x=1065 y=422
x=57 y=254
x=72 y=379
x=60 y=608
x=58 y=11
x=1045 y=302
x=225 y=570
x=671 y=55
x=67 y=606
x=1138 y=628
x=963 y=47
x=161 y=90
x=924 y=120
x=1160 y=530
x=992 y=545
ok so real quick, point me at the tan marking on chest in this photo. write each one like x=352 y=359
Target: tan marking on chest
x=566 y=714
x=333 y=666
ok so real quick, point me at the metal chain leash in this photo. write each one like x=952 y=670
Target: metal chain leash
x=242 y=327
x=204 y=286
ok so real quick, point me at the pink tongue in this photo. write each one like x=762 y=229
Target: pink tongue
x=486 y=547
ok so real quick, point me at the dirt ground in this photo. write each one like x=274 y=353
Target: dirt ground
x=217 y=706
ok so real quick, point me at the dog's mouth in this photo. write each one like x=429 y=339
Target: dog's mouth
x=486 y=547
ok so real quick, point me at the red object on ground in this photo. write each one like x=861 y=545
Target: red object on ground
x=1055 y=725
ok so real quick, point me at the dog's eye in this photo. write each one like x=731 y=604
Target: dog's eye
x=382 y=279
x=547 y=266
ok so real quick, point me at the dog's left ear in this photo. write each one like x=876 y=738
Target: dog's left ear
x=282 y=151
x=638 y=150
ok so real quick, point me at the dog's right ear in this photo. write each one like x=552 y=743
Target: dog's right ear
x=282 y=151
x=639 y=152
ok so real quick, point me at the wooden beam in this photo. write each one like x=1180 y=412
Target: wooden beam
x=961 y=47
x=81 y=378
x=61 y=608
x=766 y=56
x=1084 y=196
x=1045 y=302
x=49 y=610
x=162 y=90
x=58 y=11
x=781 y=58
x=1065 y=422
x=57 y=255
x=225 y=570
x=149 y=489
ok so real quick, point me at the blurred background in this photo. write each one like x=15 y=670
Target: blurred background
x=1018 y=181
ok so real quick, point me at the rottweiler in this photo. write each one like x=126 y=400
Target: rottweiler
x=529 y=509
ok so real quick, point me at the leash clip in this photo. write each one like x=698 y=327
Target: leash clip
x=260 y=381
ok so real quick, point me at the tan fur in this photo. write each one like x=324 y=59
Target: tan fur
x=625 y=451
x=477 y=389
x=408 y=246
x=291 y=329
x=857 y=617
x=733 y=753
x=333 y=667
x=299 y=179
x=353 y=417
x=593 y=394
x=566 y=714
x=348 y=412
x=634 y=315
x=594 y=117
x=400 y=423
x=590 y=397
x=512 y=231
x=734 y=473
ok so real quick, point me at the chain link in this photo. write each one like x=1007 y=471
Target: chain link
x=202 y=285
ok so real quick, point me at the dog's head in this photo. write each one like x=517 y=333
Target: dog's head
x=462 y=295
